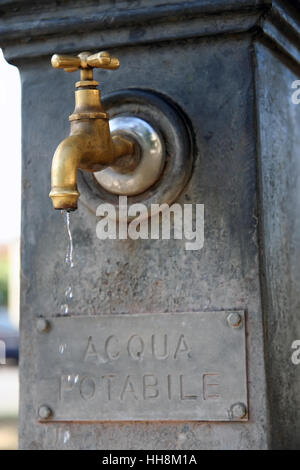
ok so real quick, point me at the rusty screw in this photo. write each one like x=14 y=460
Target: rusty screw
x=42 y=325
x=45 y=412
x=238 y=411
x=234 y=320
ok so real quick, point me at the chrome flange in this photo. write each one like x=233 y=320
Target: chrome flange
x=162 y=164
x=138 y=174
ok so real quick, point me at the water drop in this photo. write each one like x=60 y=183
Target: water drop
x=62 y=348
x=69 y=293
x=69 y=255
x=64 y=308
x=69 y=262
x=66 y=436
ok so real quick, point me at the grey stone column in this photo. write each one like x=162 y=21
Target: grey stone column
x=229 y=65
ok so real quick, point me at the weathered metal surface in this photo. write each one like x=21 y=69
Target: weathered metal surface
x=186 y=366
x=149 y=276
x=215 y=90
x=279 y=170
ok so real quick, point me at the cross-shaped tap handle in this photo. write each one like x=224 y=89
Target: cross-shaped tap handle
x=85 y=61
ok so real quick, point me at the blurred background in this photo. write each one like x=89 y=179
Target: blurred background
x=10 y=204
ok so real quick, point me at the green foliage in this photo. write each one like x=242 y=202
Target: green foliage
x=3 y=282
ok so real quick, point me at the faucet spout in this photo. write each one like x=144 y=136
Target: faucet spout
x=65 y=163
x=80 y=151
x=89 y=147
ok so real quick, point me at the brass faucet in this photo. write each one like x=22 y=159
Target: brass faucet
x=90 y=145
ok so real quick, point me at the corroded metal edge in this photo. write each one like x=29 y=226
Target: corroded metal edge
x=37 y=30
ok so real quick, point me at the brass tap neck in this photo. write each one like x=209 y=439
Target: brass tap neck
x=88 y=101
x=86 y=79
x=86 y=74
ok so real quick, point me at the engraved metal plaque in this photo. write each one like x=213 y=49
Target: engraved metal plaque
x=169 y=366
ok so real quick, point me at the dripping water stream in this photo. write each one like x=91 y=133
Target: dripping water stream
x=68 y=293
